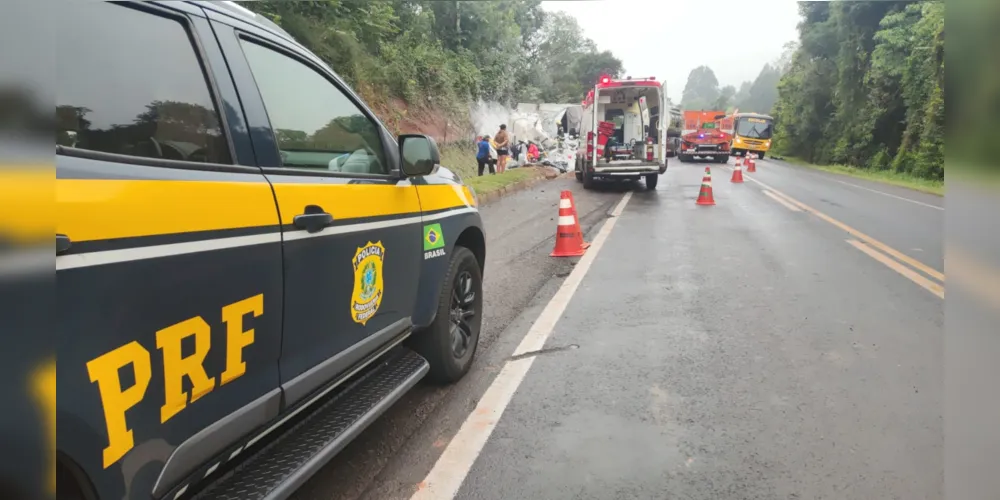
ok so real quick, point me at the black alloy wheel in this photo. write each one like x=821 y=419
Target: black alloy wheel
x=463 y=311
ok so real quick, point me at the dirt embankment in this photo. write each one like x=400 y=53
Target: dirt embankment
x=405 y=118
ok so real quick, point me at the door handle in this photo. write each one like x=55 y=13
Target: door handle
x=314 y=220
x=62 y=243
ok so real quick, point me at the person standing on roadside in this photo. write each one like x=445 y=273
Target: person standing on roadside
x=483 y=155
x=503 y=148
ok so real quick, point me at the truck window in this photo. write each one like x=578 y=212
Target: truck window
x=315 y=124
x=131 y=83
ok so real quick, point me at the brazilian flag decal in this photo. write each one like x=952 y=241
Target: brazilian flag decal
x=433 y=238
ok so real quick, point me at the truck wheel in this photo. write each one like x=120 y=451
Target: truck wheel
x=651 y=180
x=449 y=343
x=722 y=159
x=683 y=158
x=588 y=181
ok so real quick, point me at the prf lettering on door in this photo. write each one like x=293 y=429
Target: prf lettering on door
x=116 y=400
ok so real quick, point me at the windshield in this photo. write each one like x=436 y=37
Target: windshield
x=754 y=128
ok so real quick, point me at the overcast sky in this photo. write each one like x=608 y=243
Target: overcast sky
x=667 y=39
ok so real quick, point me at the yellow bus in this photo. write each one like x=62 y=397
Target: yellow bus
x=752 y=134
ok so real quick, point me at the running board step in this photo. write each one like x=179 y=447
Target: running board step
x=279 y=469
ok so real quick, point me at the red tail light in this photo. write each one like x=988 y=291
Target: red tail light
x=590 y=144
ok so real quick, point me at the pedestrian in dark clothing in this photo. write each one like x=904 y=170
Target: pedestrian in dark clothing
x=483 y=155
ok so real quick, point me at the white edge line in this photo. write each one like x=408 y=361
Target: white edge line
x=156 y=251
x=891 y=195
x=452 y=467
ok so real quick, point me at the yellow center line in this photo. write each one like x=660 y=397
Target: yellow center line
x=787 y=205
x=931 y=286
x=934 y=273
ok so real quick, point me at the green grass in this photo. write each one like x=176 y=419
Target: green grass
x=461 y=159
x=883 y=176
x=490 y=183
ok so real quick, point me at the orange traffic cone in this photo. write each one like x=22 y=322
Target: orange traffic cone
x=751 y=165
x=737 y=174
x=739 y=161
x=705 y=195
x=572 y=206
x=569 y=238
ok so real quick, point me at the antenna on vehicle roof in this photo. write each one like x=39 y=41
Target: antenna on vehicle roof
x=229 y=4
x=236 y=6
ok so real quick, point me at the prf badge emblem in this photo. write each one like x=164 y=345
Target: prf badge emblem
x=367 y=296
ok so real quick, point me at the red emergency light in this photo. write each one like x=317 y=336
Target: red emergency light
x=605 y=79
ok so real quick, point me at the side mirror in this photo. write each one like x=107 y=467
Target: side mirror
x=419 y=154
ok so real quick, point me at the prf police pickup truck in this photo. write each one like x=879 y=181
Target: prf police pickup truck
x=250 y=268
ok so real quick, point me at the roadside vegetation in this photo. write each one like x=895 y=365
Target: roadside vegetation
x=447 y=54
x=415 y=61
x=903 y=179
x=862 y=87
x=865 y=89
x=460 y=157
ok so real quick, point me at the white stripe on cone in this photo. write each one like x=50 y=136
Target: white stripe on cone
x=565 y=203
x=567 y=220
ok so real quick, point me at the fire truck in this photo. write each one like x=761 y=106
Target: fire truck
x=706 y=134
x=624 y=129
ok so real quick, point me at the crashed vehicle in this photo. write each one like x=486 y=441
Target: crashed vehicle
x=552 y=127
x=620 y=109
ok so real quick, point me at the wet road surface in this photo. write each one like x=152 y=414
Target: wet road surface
x=745 y=350
x=520 y=231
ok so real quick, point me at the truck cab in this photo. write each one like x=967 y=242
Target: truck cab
x=706 y=134
x=250 y=267
x=622 y=138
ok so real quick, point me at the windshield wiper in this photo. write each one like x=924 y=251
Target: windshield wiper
x=756 y=133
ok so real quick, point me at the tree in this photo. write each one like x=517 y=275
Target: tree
x=591 y=66
x=725 y=99
x=701 y=90
x=864 y=86
x=562 y=63
x=742 y=95
x=763 y=91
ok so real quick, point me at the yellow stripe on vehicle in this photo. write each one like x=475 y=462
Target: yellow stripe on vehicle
x=98 y=209
x=91 y=209
x=442 y=196
x=346 y=201
x=26 y=201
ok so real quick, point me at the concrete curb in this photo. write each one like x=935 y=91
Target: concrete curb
x=492 y=197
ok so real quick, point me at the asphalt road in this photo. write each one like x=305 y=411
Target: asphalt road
x=909 y=221
x=520 y=234
x=745 y=350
